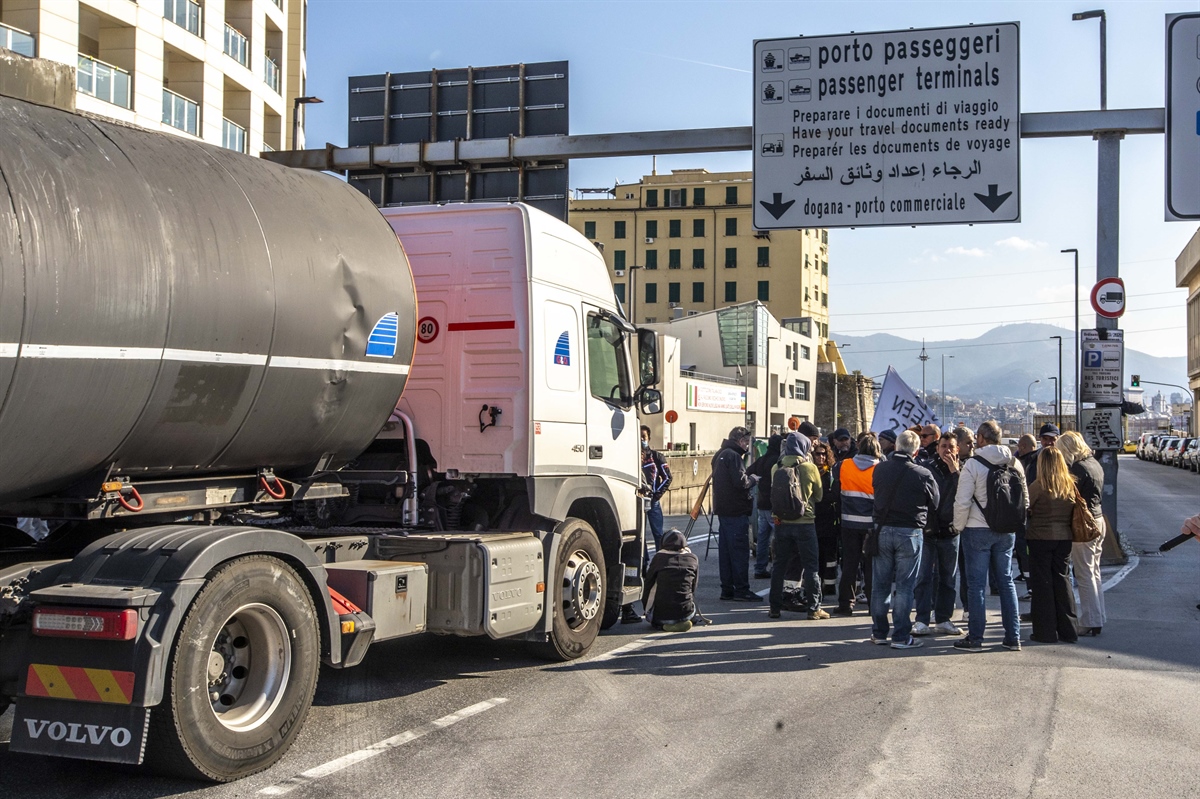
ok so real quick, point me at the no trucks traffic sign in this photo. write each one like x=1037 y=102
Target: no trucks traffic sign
x=914 y=127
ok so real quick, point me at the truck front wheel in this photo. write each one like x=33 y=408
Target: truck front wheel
x=241 y=676
x=576 y=591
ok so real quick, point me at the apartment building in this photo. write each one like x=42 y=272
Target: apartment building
x=683 y=243
x=228 y=72
x=1187 y=276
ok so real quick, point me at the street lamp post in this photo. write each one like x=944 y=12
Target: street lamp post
x=1058 y=386
x=923 y=357
x=944 y=357
x=1027 y=388
x=1076 y=392
x=1057 y=409
x=299 y=101
x=1099 y=14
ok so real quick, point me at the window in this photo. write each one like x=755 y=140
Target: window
x=697 y=196
x=676 y=198
x=698 y=292
x=791 y=391
x=618 y=259
x=805 y=353
x=697 y=259
x=673 y=259
x=185 y=14
x=806 y=260
x=589 y=229
x=764 y=291
x=673 y=228
x=698 y=228
x=731 y=257
x=824 y=236
x=731 y=195
x=618 y=230
x=651 y=292
x=607 y=375
x=619 y=290
x=824 y=300
x=730 y=291
x=802 y=389
x=795 y=352
x=825 y=268
x=764 y=256
x=652 y=259
x=781 y=391
x=787 y=352
x=652 y=228
x=672 y=292
x=806 y=297
x=651 y=198
x=731 y=226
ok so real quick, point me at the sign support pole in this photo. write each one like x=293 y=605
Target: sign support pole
x=1108 y=224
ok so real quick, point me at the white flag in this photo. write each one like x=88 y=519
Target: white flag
x=899 y=407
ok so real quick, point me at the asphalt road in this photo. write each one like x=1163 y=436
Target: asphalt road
x=751 y=707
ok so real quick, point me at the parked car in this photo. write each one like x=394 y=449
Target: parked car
x=1150 y=450
x=1130 y=447
x=1169 y=451
x=1145 y=441
x=1190 y=459
x=1184 y=443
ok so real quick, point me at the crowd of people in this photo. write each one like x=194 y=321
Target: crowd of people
x=904 y=523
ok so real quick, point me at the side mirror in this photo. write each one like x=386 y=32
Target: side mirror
x=650 y=401
x=647 y=355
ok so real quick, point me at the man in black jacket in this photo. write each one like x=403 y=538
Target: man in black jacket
x=732 y=505
x=761 y=468
x=669 y=592
x=934 y=592
x=905 y=496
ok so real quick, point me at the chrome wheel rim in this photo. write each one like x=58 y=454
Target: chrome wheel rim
x=248 y=667
x=583 y=587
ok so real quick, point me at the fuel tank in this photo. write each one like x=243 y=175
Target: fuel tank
x=169 y=307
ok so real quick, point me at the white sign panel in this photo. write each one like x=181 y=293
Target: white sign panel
x=1183 y=116
x=1102 y=427
x=899 y=407
x=724 y=399
x=915 y=127
x=1102 y=366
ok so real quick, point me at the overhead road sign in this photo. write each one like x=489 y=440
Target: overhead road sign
x=1108 y=297
x=1183 y=117
x=1102 y=367
x=912 y=127
x=1101 y=428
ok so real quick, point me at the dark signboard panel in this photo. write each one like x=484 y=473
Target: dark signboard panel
x=471 y=103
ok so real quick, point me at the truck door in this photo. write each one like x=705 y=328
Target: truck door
x=612 y=429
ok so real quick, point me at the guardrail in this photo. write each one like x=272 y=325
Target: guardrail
x=104 y=81
x=184 y=13
x=233 y=136
x=181 y=113
x=19 y=41
x=237 y=46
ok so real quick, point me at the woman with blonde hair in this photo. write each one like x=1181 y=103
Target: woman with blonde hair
x=1051 y=502
x=1085 y=557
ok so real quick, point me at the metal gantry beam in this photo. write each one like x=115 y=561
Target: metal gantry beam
x=1129 y=121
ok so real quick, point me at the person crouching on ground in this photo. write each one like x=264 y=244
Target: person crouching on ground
x=670 y=588
x=905 y=497
x=796 y=536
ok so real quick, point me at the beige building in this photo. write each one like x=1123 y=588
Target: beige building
x=683 y=243
x=225 y=71
x=1187 y=276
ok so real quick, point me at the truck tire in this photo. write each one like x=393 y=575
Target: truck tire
x=612 y=604
x=251 y=637
x=576 y=592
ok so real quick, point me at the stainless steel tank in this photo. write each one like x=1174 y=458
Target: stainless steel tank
x=169 y=307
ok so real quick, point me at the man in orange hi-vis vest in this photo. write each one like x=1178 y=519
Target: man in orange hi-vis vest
x=852 y=485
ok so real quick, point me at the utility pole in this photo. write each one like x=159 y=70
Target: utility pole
x=944 y=357
x=1058 y=387
x=1078 y=424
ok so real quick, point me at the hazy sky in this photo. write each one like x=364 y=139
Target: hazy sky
x=677 y=64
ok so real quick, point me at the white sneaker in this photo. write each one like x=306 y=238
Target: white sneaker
x=920 y=628
x=947 y=628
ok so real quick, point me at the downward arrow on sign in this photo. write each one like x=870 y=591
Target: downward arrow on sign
x=993 y=200
x=777 y=207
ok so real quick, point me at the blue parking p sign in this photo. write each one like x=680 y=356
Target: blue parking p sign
x=1092 y=359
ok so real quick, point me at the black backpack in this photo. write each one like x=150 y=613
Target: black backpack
x=1007 y=498
x=786 y=500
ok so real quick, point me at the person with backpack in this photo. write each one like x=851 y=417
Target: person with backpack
x=795 y=490
x=761 y=468
x=669 y=592
x=990 y=506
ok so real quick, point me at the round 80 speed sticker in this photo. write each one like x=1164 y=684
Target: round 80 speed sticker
x=427 y=329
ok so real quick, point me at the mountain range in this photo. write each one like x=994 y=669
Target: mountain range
x=997 y=365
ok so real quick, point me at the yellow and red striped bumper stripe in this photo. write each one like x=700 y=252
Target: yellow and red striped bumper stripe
x=84 y=685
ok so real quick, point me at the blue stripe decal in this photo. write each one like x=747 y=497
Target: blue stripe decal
x=562 y=350
x=382 y=341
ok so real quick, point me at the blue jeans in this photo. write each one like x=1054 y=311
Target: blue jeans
x=654 y=521
x=898 y=561
x=733 y=554
x=765 y=527
x=935 y=582
x=799 y=541
x=988 y=550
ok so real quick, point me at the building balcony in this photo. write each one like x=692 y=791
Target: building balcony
x=233 y=136
x=104 y=81
x=271 y=73
x=17 y=40
x=237 y=46
x=184 y=13
x=181 y=113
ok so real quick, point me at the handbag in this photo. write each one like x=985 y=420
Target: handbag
x=1084 y=527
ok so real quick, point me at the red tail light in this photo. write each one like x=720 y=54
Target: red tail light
x=107 y=625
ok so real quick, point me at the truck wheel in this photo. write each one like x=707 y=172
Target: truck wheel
x=250 y=640
x=576 y=592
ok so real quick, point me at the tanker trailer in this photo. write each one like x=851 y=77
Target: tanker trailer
x=201 y=356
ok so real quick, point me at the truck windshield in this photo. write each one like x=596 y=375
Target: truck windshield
x=608 y=368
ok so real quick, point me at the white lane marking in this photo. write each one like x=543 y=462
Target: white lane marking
x=632 y=646
x=72 y=351
x=9 y=349
x=197 y=356
x=376 y=749
x=1134 y=560
x=337 y=365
